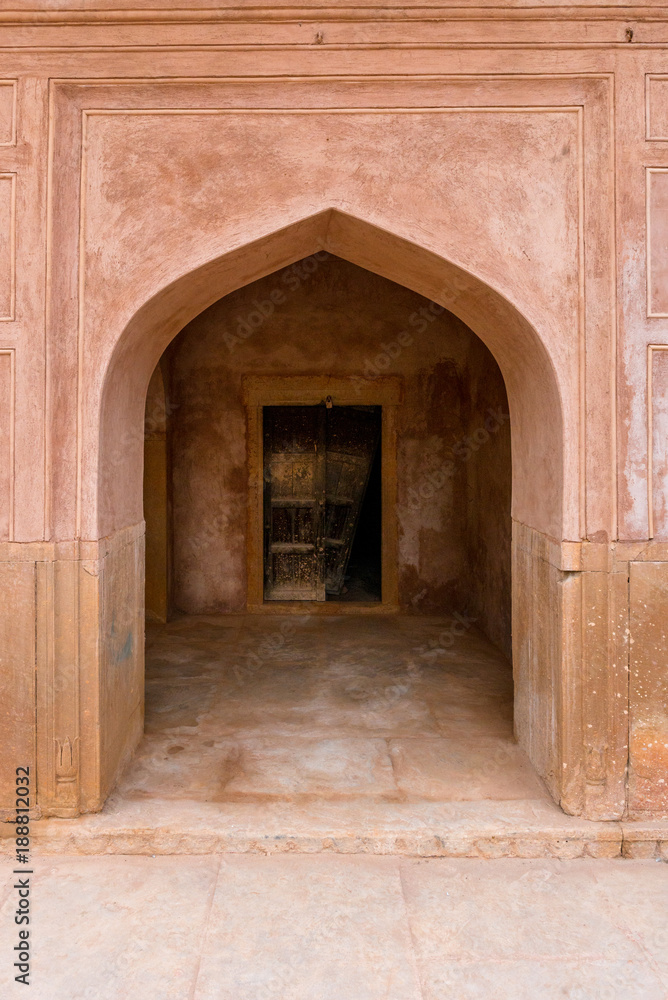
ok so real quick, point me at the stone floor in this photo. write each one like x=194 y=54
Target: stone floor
x=299 y=927
x=364 y=708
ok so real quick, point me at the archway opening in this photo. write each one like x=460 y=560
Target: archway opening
x=410 y=706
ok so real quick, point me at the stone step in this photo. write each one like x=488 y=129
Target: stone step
x=484 y=829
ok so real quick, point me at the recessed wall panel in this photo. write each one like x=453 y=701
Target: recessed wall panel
x=7 y=244
x=6 y=442
x=7 y=112
x=657 y=242
x=658 y=440
x=657 y=107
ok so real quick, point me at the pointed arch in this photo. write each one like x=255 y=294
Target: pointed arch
x=544 y=474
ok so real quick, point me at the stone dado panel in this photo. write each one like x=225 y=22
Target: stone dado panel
x=71 y=644
x=17 y=670
x=121 y=681
x=570 y=668
x=89 y=668
x=648 y=689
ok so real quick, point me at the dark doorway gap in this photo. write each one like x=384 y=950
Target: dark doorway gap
x=363 y=576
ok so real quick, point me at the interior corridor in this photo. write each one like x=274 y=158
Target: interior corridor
x=315 y=708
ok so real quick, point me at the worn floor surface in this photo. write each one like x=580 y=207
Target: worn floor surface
x=375 y=708
x=299 y=927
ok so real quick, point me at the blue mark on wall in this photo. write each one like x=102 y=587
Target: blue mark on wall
x=125 y=652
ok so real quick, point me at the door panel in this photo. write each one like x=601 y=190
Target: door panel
x=317 y=462
x=294 y=477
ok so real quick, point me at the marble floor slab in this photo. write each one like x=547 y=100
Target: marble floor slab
x=319 y=927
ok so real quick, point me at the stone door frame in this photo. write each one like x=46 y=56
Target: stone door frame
x=309 y=390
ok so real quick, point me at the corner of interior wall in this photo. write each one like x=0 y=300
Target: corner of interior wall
x=490 y=590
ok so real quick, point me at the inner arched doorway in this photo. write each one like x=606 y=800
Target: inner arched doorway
x=412 y=703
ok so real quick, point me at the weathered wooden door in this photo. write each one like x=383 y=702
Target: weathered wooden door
x=294 y=502
x=316 y=468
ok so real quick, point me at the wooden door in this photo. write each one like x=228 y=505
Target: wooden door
x=294 y=501
x=317 y=462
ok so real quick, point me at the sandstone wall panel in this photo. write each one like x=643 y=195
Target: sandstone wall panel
x=657 y=107
x=7 y=112
x=648 y=688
